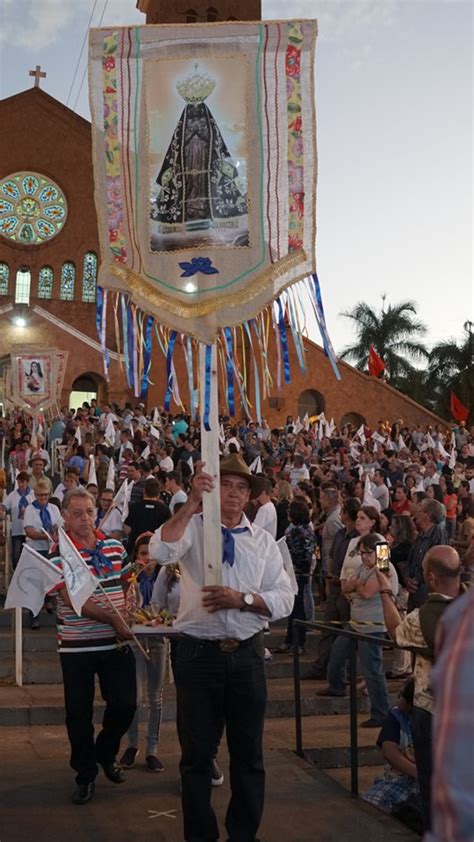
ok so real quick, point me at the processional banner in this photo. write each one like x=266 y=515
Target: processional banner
x=205 y=167
x=37 y=376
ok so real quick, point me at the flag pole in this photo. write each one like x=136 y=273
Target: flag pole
x=211 y=503
x=105 y=595
x=19 y=647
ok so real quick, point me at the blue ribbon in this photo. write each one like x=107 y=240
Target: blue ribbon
x=228 y=543
x=169 y=370
x=192 y=395
x=45 y=516
x=198 y=264
x=147 y=356
x=146 y=584
x=283 y=341
x=258 y=410
x=125 y=337
x=230 y=371
x=207 y=387
x=131 y=347
x=99 y=561
x=321 y=319
x=99 y=315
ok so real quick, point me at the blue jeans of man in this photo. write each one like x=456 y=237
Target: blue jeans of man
x=372 y=666
x=150 y=680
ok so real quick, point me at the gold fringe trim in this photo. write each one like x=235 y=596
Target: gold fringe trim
x=138 y=285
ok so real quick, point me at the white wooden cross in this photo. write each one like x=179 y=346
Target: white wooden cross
x=38 y=74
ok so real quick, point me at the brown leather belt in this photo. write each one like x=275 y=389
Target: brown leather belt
x=227 y=644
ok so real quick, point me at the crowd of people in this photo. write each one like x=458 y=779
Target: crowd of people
x=335 y=495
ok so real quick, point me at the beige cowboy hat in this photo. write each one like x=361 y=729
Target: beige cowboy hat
x=37 y=457
x=234 y=465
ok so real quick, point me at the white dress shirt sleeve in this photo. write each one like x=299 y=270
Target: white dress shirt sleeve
x=275 y=588
x=170 y=553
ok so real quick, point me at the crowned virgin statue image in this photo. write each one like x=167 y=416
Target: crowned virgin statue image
x=200 y=194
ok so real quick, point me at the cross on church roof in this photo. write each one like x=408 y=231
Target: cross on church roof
x=38 y=75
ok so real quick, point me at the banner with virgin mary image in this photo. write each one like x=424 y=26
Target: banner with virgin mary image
x=204 y=146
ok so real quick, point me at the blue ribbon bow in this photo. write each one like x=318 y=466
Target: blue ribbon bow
x=198 y=264
x=45 y=516
x=228 y=544
x=23 y=502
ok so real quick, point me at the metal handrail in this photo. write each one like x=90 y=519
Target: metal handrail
x=354 y=637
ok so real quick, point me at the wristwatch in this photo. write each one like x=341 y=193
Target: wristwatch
x=249 y=600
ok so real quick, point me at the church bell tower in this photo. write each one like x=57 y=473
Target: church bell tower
x=199 y=11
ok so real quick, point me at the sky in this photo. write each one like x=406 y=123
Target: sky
x=394 y=114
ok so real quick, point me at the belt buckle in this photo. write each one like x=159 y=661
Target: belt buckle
x=230 y=644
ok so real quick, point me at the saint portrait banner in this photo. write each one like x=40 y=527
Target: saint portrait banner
x=35 y=376
x=204 y=146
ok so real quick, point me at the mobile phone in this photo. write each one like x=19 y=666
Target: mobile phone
x=382 y=556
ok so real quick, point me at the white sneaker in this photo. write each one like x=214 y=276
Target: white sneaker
x=267 y=655
x=217 y=773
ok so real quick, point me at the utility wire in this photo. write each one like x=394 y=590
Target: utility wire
x=81 y=52
x=85 y=68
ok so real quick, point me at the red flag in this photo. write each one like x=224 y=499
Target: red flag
x=458 y=410
x=376 y=363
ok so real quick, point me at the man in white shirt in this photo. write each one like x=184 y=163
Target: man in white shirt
x=431 y=475
x=16 y=504
x=266 y=516
x=41 y=519
x=299 y=471
x=219 y=670
x=166 y=463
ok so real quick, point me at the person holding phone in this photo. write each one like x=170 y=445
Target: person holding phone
x=367 y=618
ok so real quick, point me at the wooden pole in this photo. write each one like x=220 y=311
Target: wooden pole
x=19 y=647
x=211 y=504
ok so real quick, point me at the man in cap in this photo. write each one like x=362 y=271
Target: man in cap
x=219 y=663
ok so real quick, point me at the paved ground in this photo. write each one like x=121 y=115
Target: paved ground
x=302 y=804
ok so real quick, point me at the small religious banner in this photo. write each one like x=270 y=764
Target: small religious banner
x=36 y=376
x=205 y=167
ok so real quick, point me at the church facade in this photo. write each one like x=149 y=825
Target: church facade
x=49 y=255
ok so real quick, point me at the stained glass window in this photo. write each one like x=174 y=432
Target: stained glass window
x=68 y=276
x=23 y=286
x=45 y=282
x=4 y=275
x=33 y=208
x=89 y=278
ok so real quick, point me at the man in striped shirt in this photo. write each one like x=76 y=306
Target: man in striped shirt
x=88 y=648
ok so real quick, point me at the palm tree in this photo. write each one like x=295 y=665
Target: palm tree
x=451 y=367
x=393 y=333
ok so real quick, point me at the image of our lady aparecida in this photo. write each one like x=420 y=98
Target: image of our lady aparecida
x=199 y=197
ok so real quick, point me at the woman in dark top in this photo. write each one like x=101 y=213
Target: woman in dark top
x=283 y=499
x=402 y=534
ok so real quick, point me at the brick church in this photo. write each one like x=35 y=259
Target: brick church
x=49 y=254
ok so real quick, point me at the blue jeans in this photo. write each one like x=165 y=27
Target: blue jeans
x=150 y=679
x=371 y=663
x=308 y=599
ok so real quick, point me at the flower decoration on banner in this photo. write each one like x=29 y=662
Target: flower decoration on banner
x=112 y=152
x=198 y=264
x=295 y=138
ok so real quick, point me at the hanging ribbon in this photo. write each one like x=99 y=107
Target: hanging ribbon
x=147 y=356
x=101 y=323
x=284 y=342
x=131 y=346
x=169 y=370
x=321 y=319
x=277 y=346
x=207 y=387
x=256 y=376
x=192 y=393
x=295 y=331
x=230 y=371
x=117 y=329
x=125 y=338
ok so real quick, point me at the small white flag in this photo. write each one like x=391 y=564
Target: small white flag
x=442 y=450
x=110 y=483
x=190 y=464
x=369 y=499
x=401 y=442
x=322 y=418
x=79 y=581
x=390 y=445
x=378 y=438
x=110 y=432
x=145 y=454
x=297 y=426
x=354 y=452
x=452 y=458
x=156 y=416
x=77 y=435
x=389 y=484
x=306 y=421
x=33 y=578
x=92 y=477
x=453 y=439
x=221 y=434
x=430 y=442
x=154 y=432
x=361 y=434
x=256 y=466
